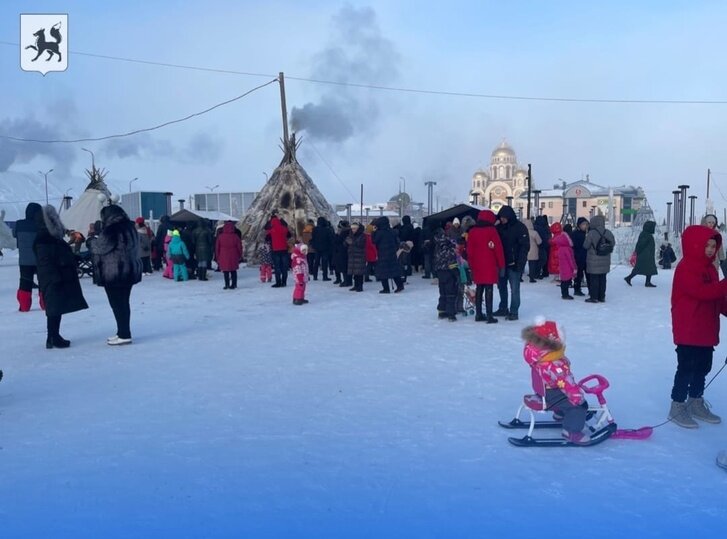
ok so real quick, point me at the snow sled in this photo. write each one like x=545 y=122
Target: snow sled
x=598 y=420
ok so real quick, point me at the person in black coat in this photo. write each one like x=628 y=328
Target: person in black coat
x=117 y=267
x=322 y=243
x=340 y=255
x=406 y=233
x=387 y=266
x=578 y=236
x=25 y=231
x=57 y=276
x=515 y=245
x=417 y=256
x=542 y=227
x=428 y=247
x=159 y=242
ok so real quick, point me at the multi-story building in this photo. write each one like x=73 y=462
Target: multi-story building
x=234 y=204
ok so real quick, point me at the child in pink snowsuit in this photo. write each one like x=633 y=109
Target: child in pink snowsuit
x=545 y=353
x=300 y=272
x=265 y=257
x=567 y=267
x=169 y=269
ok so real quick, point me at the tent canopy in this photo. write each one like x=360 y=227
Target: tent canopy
x=185 y=216
x=459 y=211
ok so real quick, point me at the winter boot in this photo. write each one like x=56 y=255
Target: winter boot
x=564 y=290
x=479 y=317
x=25 y=300
x=679 y=414
x=700 y=410
x=488 y=305
x=578 y=438
x=226 y=276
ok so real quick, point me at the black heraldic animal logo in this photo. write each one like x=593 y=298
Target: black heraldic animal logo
x=41 y=45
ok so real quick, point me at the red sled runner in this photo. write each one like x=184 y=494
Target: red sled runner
x=599 y=420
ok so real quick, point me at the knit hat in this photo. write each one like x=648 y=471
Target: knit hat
x=343 y=224
x=175 y=233
x=486 y=216
x=455 y=221
x=544 y=333
x=303 y=248
x=139 y=220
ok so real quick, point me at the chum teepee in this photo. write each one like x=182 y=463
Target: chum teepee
x=87 y=208
x=292 y=193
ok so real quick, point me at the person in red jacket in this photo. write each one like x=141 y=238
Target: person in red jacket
x=279 y=234
x=228 y=252
x=553 y=260
x=698 y=297
x=486 y=261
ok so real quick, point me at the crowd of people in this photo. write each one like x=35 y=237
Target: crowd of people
x=468 y=258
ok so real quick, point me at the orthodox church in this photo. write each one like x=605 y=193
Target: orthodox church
x=502 y=182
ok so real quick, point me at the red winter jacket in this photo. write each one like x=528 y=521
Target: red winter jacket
x=371 y=253
x=553 y=261
x=278 y=234
x=697 y=294
x=228 y=248
x=484 y=250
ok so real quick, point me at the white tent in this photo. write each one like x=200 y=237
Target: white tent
x=186 y=215
x=6 y=235
x=87 y=209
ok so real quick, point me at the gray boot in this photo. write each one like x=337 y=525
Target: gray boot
x=699 y=410
x=679 y=414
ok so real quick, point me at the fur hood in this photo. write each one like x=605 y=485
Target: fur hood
x=48 y=219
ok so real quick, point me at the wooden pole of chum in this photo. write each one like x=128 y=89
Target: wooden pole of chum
x=281 y=80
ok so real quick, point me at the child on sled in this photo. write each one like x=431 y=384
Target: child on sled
x=552 y=378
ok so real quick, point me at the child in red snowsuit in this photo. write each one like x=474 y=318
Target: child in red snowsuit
x=300 y=272
x=698 y=298
x=552 y=378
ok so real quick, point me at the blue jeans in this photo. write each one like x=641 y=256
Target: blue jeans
x=512 y=277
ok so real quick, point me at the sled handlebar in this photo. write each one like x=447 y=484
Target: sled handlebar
x=597 y=389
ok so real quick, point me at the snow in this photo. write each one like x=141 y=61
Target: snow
x=237 y=414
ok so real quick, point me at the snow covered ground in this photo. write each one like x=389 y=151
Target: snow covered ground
x=236 y=414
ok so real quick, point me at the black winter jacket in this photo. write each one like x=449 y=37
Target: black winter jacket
x=515 y=239
x=115 y=251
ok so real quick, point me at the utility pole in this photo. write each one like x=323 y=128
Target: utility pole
x=284 y=106
x=45 y=175
x=530 y=186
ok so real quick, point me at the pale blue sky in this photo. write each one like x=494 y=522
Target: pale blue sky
x=652 y=50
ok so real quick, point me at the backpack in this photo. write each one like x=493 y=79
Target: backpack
x=604 y=246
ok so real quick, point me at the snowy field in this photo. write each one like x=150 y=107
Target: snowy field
x=235 y=414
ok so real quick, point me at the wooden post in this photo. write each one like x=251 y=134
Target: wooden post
x=284 y=106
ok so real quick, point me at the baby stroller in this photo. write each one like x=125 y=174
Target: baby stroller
x=599 y=419
x=84 y=264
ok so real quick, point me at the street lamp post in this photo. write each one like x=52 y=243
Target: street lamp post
x=404 y=179
x=45 y=175
x=93 y=158
x=132 y=181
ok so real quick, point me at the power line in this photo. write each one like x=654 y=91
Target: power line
x=144 y=130
x=353 y=197
x=407 y=89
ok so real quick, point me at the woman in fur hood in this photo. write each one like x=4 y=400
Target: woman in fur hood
x=57 y=277
x=117 y=267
